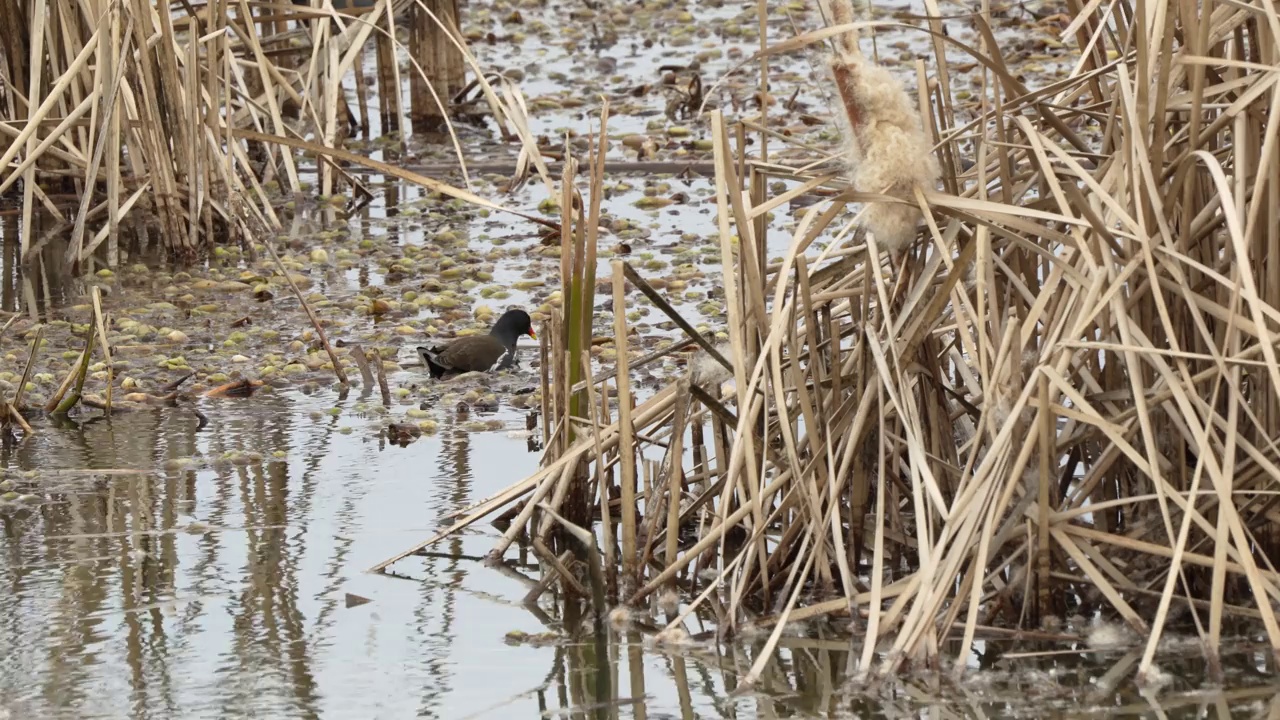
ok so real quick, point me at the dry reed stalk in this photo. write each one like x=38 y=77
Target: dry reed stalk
x=635 y=364
x=549 y=580
x=166 y=95
x=675 y=474
x=544 y=364
x=61 y=402
x=744 y=442
x=34 y=351
x=390 y=100
x=568 y=579
x=430 y=22
x=603 y=485
x=594 y=566
x=661 y=303
x=383 y=387
x=100 y=325
x=12 y=413
x=626 y=440
x=1081 y=340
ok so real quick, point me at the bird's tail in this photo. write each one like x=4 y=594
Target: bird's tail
x=429 y=359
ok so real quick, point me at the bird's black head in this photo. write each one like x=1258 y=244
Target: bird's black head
x=511 y=326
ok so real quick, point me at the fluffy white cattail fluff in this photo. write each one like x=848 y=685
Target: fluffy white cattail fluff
x=673 y=637
x=1154 y=680
x=707 y=372
x=887 y=148
x=620 y=618
x=1108 y=636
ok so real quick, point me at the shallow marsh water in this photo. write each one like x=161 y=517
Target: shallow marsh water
x=146 y=576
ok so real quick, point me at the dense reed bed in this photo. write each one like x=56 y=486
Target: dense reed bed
x=1045 y=386
x=181 y=124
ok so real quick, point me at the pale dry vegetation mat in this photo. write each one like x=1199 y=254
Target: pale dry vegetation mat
x=1035 y=377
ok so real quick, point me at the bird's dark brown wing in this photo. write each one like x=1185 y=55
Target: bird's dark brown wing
x=477 y=353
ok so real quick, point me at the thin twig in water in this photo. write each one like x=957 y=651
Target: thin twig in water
x=637 y=363
x=315 y=322
x=656 y=298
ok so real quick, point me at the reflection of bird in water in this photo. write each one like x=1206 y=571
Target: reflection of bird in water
x=479 y=353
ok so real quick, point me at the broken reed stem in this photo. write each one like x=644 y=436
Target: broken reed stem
x=100 y=324
x=558 y=566
x=11 y=414
x=382 y=380
x=78 y=373
x=563 y=406
x=362 y=362
x=542 y=585
x=518 y=525
x=60 y=402
x=315 y=321
x=32 y=353
x=595 y=570
x=1045 y=478
x=626 y=442
x=562 y=489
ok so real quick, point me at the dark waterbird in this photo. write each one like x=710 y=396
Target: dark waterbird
x=479 y=353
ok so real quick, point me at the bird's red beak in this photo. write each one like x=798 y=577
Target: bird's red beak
x=532 y=335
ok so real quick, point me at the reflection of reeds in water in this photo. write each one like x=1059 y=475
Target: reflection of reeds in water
x=118 y=539
x=44 y=281
x=808 y=676
x=1060 y=395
